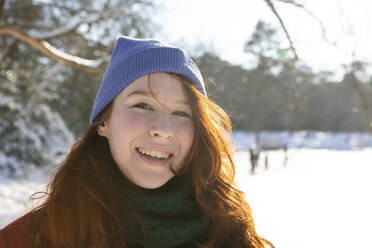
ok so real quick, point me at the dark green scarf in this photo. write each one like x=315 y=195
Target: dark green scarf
x=169 y=215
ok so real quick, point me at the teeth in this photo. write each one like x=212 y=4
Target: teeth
x=155 y=154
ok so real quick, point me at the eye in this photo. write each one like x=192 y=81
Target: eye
x=182 y=114
x=143 y=106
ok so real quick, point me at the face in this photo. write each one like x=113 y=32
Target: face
x=150 y=129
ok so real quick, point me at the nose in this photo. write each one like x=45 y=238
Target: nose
x=162 y=127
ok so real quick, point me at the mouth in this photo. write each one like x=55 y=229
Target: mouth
x=153 y=154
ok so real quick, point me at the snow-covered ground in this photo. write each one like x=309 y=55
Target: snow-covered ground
x=319 y=198
x=306 y=139
x=15 y=194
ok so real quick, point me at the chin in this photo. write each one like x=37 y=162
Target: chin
x=153 y=184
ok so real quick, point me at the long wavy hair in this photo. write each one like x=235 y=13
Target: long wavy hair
x=84 y=203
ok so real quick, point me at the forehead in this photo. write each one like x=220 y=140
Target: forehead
x=162 y=85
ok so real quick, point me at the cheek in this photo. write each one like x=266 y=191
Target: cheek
x=130 y=122
x=124 y=129
x=186 y=135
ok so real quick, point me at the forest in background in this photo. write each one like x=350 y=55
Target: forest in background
x=280 y=93
x=45 y=104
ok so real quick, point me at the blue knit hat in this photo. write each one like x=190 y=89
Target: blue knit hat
x=133 y=58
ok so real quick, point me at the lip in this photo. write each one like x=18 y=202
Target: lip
x=155 y=162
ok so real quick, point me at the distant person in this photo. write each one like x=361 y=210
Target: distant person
x=266 y=161
x=285 y=149
x=254 y=156
x=153 y=169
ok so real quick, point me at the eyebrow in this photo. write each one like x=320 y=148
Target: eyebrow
x=149 y=94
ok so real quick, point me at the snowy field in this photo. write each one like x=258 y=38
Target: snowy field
x=15 y=194
x=319 y=198
x=322 y=198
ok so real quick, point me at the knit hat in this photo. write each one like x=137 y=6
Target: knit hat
x=133 y=58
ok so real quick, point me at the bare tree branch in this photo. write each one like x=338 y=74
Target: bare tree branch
x=93 y=18
x=301 y=6
x=25 y=25
x=38 y=40
x=71 y=11
x=65 y=30
x=359 y=92
x=291 y=2
x=270 y=4
x=50 y=51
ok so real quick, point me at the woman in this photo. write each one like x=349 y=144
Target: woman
x=155 y=168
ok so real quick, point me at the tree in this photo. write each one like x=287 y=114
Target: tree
x=365 y=107
x=279 y=93
x=87 y=24
x=38 y=40
x=264 y=45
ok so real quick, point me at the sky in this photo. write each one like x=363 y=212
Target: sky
x=223 y=27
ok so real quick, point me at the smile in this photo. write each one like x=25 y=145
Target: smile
x=154 y=154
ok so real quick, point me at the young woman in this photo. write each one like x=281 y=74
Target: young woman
x=155 y=169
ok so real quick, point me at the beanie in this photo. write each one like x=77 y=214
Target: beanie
x=133 y=58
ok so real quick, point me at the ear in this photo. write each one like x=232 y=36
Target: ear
x=102 y=129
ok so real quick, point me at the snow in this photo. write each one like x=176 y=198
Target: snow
x=75 y=23
x=15 y=195
x=39 y=141
x=306 y=139
x=91 y=63
x=318 y=198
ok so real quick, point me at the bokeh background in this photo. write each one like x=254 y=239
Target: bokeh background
x=294 y=75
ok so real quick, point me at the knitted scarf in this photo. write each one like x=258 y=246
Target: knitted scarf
x=169 y=216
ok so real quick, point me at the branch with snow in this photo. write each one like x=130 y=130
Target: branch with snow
x=50 y=51
x=95 y=17
x=62 y=30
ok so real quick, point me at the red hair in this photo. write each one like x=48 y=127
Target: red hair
x=84 y=205
x=213 y=171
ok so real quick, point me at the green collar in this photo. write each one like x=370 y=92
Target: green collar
x=170 y=215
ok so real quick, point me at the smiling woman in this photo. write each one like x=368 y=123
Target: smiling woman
x=150 y=130
x=155 y=168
